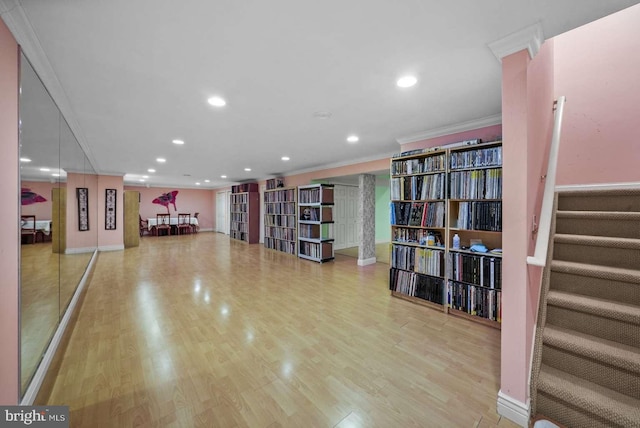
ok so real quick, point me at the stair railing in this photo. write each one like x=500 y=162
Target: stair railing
x=539 y=257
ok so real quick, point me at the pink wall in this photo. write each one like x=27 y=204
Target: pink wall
x=360 y=168
x=42 y=210
x=9 y=218
x=187 y=201
x=489 y=133
x=597 y=70
x=76 y=239
x=110 y=239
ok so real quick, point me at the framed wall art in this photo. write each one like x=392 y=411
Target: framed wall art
x=82 y=194
x=110 y=209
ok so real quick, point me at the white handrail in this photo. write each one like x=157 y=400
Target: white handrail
x=539 y=257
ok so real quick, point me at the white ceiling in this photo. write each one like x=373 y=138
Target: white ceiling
x=131 y=76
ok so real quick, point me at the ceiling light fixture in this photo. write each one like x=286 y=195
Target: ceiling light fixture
x=406 y=81
x=45 y=169
x=207 y=181
x=178 y=142
x=197 y=184
x=145 y=176
x=25 y=160
x=161 y=160
x=151 y=170
x=217 y=101
x=223 y=176
x=247 y=169
x=285 y=158
x=353 y=138
x=55 y=175
x=142 y=180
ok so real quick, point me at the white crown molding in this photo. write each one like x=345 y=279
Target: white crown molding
x=496 y=119
x=529 y=38
x=19 y=25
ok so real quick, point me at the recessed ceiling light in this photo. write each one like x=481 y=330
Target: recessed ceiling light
x=142 y=180
x=217 y=101
x=25 y=160
x=178 y=142
x=247 y=169
x=145 y=176
x=207 y=181
x=55 y=175
x=353 y=138
x=285 y=158
x=406 y=81
x=45 y=169
x=161 y=160
x=197 y=184
x=151 y=170
x=223 y=176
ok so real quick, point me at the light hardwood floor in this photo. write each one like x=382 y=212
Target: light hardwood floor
x=200 y=330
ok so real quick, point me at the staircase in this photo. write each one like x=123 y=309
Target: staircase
x=586 y=362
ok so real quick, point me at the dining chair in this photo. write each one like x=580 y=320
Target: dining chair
x=195 y=227
x=28 y=226
x=184 y=223
x=163 y=222
x=144 y=225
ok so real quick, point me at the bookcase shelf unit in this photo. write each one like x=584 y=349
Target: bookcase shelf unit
x=245 y=213
x=280 y=222
x=315 y=222
x=435 y=194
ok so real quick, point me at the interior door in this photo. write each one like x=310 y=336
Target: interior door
x=346 y=216
x=221 y=211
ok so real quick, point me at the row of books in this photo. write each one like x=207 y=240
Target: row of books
x=479 y=301
x=316 y=213
x=417 y=236
x=418 y=187
x=288 y=195
x=279 y=233
x=239 y=217
x=480 y=216
x=237 y=234
x=244 y=187
x=316 y=231
x=421 y=214
x=490 y=156
x=239 y=226
x=476 y=184
x=274 y=183
x=416 y=285
x=280 y=208
x=316 y=250
x=422 y=260
x=485 y=271
x=280 y=245
x=312 y=195
x=280 y=220
x=419 y=165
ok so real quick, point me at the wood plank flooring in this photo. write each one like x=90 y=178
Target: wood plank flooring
x=201 y=330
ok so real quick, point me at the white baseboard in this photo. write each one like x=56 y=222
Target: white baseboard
x=80 y=250
x=111 y=247
x=366 y=262
x=512 y=409
x=599 y=186
x=34 y=387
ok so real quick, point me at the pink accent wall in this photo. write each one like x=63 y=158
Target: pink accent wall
x=9 y=218
x=360 y=168
x=488 y=133
x=188 y=201
x=77 y=239
x=597 y=70
x=110 y=238
x=42 y=210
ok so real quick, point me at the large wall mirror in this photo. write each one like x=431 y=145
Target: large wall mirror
x=57 y=245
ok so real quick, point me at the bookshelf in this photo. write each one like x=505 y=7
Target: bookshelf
x=418 y=219
x=435 y=195
x=315 y=222
x=280 y=221
x=245 y=212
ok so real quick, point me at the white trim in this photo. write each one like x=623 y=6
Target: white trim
x=38 y=377
x=470 y=125
x=366 y=262
x=111 y=247
x=599 y=186
x=529 y=38
x=512 y=409
x=80 y=250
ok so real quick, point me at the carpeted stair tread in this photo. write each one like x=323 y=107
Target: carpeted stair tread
x=617 y=408
x=606 y=351
x=603 y=272
x=600 y=215
x=595 y=306
x=598 y=241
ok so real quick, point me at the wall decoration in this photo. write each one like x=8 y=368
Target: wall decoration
x=28 y=197
x=110 y=209
x=82 y=194
x=167 y=198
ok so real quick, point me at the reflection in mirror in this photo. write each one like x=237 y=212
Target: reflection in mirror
x=53 y=259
